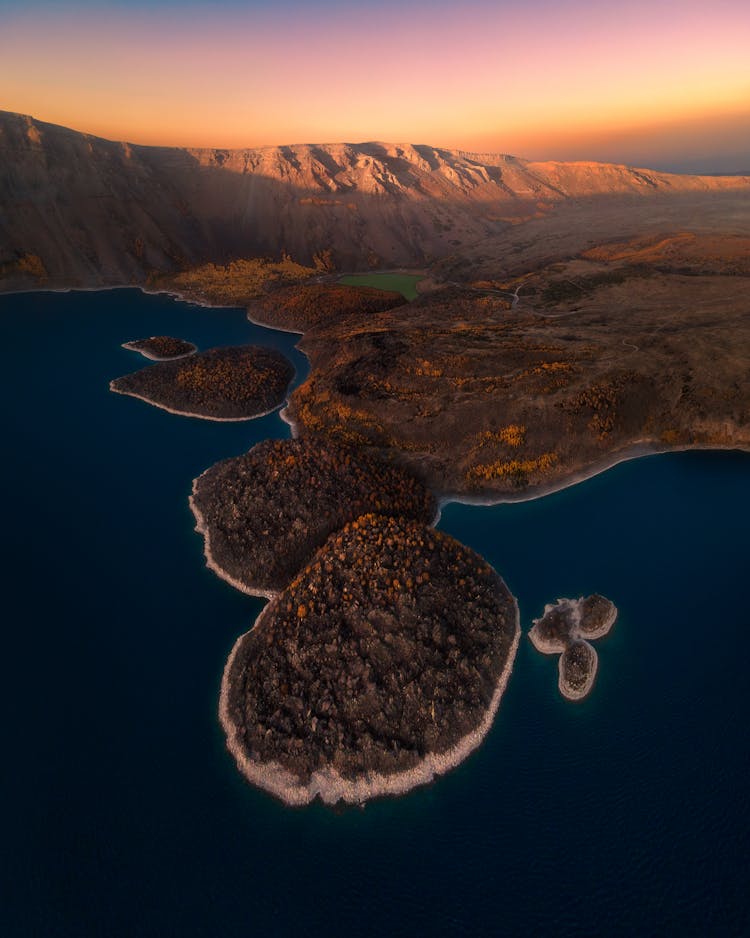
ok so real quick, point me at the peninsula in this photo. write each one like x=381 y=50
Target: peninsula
x=507 y=389
x=381 y=665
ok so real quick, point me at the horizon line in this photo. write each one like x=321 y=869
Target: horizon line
x=461 y=152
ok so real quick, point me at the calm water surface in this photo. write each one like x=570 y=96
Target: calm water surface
x=122 y=814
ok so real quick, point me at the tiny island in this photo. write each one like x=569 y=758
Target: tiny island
x=263 y=514
x=232 y=383
x=161 y=348
x=380 y=665
x=565 y=629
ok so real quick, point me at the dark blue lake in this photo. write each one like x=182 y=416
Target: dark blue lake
x=122 y=813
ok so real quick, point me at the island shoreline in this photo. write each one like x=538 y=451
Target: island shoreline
x=575 y=635
x=131 y=347
x=582 y=692
x=203 y=529
x=185 y=413
x=327 y=784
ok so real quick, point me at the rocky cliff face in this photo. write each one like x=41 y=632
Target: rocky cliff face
x=80 y=210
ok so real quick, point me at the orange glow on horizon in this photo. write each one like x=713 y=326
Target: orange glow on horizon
x=505 y=81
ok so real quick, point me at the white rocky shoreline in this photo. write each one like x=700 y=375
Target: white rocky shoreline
x=327 y=784
x=187 y=413
x=132 y=346
x=203 y=529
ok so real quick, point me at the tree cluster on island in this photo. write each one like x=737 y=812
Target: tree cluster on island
x=385 y=644
x=565 y=629
x=234 y=382
x=265 y=512
x=386 y=648
x=161 y=347
x=304 y=306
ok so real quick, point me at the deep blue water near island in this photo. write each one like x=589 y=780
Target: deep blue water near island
x=123 y=815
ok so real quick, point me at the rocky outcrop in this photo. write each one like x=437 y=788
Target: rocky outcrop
x=565 y=629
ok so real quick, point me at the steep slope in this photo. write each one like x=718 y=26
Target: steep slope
x=80 y=210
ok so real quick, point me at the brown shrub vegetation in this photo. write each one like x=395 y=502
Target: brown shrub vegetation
x=387 y=646
x=269 y=510
x=233 y=382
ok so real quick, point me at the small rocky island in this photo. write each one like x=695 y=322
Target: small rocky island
x=161 y=348
x=233 y=383
x=565 y=629
x=577 y=667
x=381 y=665
x=265 y=513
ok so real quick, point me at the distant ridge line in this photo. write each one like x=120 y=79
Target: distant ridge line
x=489 y=159
x=80 y=209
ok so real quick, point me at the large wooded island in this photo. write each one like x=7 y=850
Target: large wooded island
x=380 y=666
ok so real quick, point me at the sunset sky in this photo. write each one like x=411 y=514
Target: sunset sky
x=665 y=84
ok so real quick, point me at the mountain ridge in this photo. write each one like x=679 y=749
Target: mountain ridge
x=93 y=211
x=412 y=152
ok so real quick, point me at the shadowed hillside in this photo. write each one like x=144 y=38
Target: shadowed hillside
x=77 y=210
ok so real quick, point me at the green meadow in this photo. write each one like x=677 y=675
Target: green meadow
x=406 y=284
